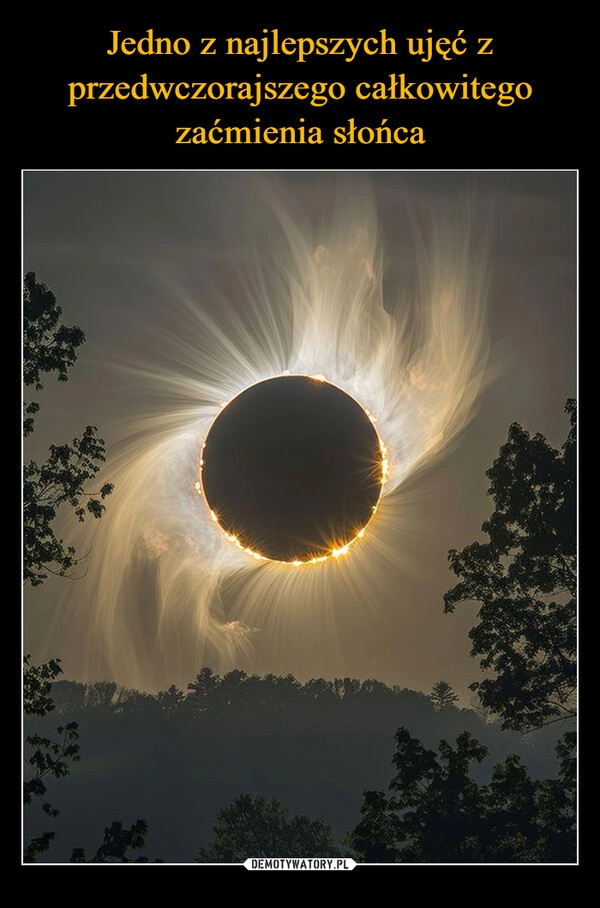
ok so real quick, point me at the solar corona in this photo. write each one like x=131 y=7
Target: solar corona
x=296 y=383
x=292 y=470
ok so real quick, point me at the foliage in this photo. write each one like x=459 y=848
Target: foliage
x=68 y=696
x=238 y=694
x=61 y=479
x=205 y=684
x=50 y=757
x=49 y=347
x=37 y=686
x=237 y=689
x=116 y=845
x=101 y=694
x=36 y=847
x=524 y=577
x=442 y=695
x=253 y=826
x=374 y=839
x=171 y=701
x=436 y=813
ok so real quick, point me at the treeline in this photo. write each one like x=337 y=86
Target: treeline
x=210 y=692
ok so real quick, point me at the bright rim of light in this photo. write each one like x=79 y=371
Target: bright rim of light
x=336 y=549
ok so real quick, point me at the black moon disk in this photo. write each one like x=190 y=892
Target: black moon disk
x=292 y=469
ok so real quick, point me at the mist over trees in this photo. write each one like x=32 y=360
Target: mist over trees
x=178 y=757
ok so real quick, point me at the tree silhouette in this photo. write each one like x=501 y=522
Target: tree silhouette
x=171 y=701
x=346 y=689
x=442 y=695
x=48 y=757
x=437 y=813
x=116 y=845
x=319 y=690
x=49 y=347
x=253 y=826
x=524 y=578
x=204 y=686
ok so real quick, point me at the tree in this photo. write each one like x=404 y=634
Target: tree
x=346 y=689
x=116 y=845
x=442 y=695
x=205 y=684
x=48 y=756
x=37 y=686
x=171 y=701
x=524 y=578
x=68 y=696
x=102 y=695
x=437 y=813
x=253 y=826
x=49 y=347
x=319 y=690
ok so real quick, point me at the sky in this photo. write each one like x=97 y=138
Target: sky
x=192 y=285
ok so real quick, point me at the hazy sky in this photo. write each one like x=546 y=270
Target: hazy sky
x=138 y=258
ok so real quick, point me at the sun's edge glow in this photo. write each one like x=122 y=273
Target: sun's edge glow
x=337 y=550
